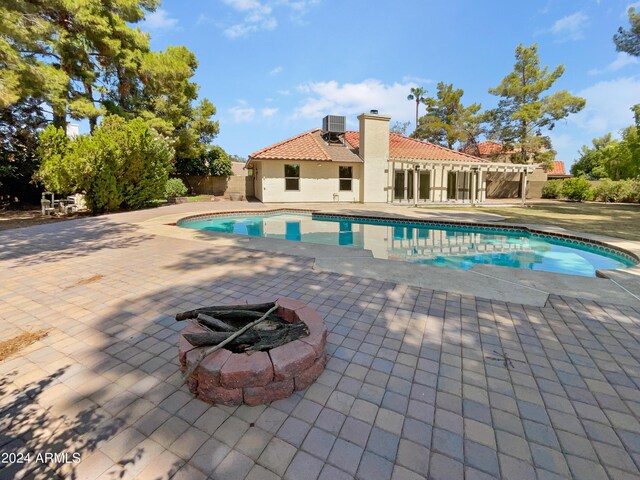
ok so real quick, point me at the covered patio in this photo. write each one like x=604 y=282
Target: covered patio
x=416 y=181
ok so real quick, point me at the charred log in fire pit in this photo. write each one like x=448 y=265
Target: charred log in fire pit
x=222 y=323
x=251 y=353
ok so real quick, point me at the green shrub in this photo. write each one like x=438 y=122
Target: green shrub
x=627 y=191
x=552 y=189
x=213 y=161
x=175 y=188
x=606 y=191
x=577 y=189
x=122 y=164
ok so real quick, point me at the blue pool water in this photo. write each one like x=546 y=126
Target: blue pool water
x=439 y=245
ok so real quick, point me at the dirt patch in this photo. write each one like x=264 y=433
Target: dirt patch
x=85 y=281
x=20 y=342
x=10 y=219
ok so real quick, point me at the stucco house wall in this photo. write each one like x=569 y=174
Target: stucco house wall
x=318 y=182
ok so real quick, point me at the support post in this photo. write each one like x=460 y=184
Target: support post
x=472 y=197
x=524 y=188
x=415 y=185
x=393 y=181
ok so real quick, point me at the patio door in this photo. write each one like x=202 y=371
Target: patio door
x=424 y=186
x=398 y=185
x=459 y=186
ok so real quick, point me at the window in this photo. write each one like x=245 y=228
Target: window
x=346 y=177
x=292 y=177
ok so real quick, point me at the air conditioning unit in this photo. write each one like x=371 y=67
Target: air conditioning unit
x=333 y=124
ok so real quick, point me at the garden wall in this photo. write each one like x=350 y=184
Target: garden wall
x=220 y=186
x=507 y=185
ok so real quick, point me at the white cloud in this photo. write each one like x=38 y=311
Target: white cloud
x=570 y=27
x=259 y=15
x=325 y=98
x=607 y=110
x=418 y=80
x=621 y=61
x=241 y=113
x=276 y=70
x=284 y=92
x=608 y=105
x=159 y=20
x=269 y=112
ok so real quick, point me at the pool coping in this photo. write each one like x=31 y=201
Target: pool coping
x=495 y=283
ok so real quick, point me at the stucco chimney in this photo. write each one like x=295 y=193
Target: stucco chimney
x=374 y=151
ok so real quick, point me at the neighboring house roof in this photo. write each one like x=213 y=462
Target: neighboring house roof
x=311 y=146
x=558 y=170
x=307 y=146
x=489 y=148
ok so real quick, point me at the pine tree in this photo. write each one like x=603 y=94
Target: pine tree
x=524 y=112
x=447 y=121
x=629 y=40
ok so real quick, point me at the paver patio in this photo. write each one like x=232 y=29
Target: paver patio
x=417 y=384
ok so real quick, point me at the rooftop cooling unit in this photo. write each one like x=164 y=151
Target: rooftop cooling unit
x=333 y=124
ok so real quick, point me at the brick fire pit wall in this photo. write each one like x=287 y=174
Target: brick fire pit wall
x=233 y=378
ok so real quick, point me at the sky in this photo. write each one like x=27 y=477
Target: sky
x=274 y=68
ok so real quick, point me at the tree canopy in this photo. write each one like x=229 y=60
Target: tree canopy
x=629 y=40
x=69 y=59
x=524 y=112
x=611 y=158
x=447 y=121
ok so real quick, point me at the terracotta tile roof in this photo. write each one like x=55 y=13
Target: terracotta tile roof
x=489 y=148
x=311 y=146
x=307 y=146
x=401 y=147
x=558 y=168
x=301 y=147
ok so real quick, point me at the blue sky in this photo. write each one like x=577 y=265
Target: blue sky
x=274 y=68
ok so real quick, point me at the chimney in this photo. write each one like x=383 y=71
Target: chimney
x=374 y=151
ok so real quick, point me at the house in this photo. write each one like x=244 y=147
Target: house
x=371 y=165
x=559 y=172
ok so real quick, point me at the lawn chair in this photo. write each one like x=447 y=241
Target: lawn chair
x=48 y=206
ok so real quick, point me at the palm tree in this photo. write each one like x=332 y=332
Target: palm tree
x=417 y=94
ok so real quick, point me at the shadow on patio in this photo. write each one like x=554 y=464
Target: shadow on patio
x=396 y=353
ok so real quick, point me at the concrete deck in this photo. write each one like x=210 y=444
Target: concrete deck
x=420 y=383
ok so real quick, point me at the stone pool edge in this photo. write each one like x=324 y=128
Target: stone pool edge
x=525 y=289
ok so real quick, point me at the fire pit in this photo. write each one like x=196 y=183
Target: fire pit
x=283 y=352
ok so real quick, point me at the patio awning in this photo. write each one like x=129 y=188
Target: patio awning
x=467 y=166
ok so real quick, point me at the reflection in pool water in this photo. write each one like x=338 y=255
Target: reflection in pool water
x=452 y=246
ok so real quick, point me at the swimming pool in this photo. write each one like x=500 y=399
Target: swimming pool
x=445 y=245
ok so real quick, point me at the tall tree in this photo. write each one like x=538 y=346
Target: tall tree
x=85 y=58
x=592 y=159
x=417 y=94
x=524 y=112
x=447 y=121
x=629 y=40
x=168 y=100
x=59 y=51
